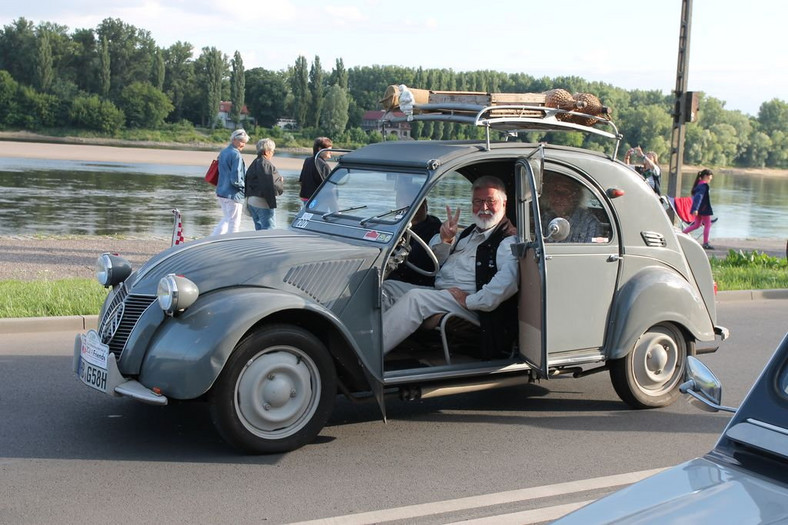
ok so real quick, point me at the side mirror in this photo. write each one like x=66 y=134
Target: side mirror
x=703 y=386
x=557 y=230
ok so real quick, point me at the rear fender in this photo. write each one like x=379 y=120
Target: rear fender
x=656 y=295
x=189 y=351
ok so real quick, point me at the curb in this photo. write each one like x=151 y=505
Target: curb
x=79 y=323
x=75 y=323
x=751 y=295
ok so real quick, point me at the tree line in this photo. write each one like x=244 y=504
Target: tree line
x=115 y=78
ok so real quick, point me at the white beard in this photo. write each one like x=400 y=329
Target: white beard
x=485 y=220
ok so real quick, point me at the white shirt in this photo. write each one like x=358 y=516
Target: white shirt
x=459 y=270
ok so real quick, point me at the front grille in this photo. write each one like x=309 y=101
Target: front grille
x=133 y=307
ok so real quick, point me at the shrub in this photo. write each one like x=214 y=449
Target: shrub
x=93 y=113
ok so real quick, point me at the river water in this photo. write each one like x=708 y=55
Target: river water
x=77 y=197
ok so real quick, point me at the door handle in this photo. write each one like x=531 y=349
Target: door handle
x=613 y=258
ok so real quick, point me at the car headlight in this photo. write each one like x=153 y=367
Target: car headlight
x=112 y=269
x=176 y=293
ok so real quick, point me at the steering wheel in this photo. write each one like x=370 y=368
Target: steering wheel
x=409 y=234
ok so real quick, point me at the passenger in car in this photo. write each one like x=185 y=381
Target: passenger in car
x=563 y=197
x=478 y=278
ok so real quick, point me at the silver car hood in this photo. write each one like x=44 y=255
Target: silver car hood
x=698 y=491
x=281 y=259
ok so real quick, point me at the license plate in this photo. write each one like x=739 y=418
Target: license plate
x=93 y=361
x=93 y=376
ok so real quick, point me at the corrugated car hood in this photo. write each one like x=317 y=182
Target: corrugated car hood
x=316 y=266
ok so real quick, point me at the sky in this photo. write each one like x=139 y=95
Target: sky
x=738 y=50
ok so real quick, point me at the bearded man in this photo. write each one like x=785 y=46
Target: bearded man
x=478 y=275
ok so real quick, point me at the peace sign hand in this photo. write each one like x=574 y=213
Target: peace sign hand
x=449 y=226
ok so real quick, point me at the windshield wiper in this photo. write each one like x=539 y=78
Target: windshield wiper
x=339 y=212
x=402 y=210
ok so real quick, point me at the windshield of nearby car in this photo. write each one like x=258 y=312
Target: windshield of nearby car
x=369 y=196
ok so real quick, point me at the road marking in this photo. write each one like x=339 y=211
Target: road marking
x=528 y=517
x=487 y=500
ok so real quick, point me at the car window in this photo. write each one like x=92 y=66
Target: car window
x=367 y=193
x=454 y=191
x=564 y=196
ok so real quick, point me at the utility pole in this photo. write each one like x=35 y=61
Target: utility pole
x=685 y=106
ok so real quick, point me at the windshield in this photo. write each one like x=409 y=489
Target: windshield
x=365 y=195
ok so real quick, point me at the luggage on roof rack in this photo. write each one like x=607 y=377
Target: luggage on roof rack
x=553 y=110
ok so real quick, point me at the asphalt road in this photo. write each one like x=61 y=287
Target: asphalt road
x=71 y=455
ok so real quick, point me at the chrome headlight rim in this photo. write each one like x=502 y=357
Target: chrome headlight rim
x=112 y=269
x=175 y=293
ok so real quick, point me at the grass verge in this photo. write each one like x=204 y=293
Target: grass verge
x=50 y=298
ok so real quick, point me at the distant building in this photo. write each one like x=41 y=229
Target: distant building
x=225 y=107
x=286 y=123
x=374 y=121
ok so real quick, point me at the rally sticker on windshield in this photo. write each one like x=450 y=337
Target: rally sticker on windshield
x=377 y=236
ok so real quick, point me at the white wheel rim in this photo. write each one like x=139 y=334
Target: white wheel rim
x=655 y=360
x=277 y=392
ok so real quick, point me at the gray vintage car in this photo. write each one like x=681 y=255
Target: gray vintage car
x=270 y=326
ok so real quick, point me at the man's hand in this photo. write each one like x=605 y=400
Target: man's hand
x=459 y=296
x=449 y=226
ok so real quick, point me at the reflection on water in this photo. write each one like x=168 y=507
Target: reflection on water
x=74 y=197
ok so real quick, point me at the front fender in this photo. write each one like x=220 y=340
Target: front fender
x=189 y=351
x=656 y=295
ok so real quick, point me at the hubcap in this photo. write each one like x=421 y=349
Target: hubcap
x=655 y=360
x=277 y=392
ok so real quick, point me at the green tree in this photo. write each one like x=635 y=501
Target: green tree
x=158 y=70
x=299 y=85
x=104 y=69
x=773 y=116
x=339 y=76
x=179 y=78
x=83 y=64
x=44 y=72
x=266 y=93
x=144 y=105
x=211 y=67
x=18 y=50
x=335 y=110
x=316 y=75
x=131 y=53
x=237 y=88
x=8 y=90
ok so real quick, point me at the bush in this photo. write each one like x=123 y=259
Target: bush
x=144 y=105
x=90 y=112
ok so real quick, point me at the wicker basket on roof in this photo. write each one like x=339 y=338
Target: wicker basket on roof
x=579 y=102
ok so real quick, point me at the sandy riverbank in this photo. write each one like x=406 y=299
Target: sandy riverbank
x=94 y=153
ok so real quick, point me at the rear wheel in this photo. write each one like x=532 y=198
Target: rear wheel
x=650 y=375
x=276 y=391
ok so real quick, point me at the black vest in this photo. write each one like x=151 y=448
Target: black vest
x=498 y=327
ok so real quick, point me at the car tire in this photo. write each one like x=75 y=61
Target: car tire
x=650 y=374
x=276 y=391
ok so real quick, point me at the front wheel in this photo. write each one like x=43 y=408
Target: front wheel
x=276 y=391
x=650 y=375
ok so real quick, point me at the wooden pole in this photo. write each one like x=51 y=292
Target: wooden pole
x=680 y=111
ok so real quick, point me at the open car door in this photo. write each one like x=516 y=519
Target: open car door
x=530 y=251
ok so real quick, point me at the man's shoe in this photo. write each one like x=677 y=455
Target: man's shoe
x=707 y=246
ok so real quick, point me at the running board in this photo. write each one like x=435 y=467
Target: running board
x=707 y=350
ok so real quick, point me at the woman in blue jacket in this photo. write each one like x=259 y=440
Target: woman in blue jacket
x=701 y=206
x=230 y=186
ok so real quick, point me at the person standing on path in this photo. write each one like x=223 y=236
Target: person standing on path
x=230 y=187
x=701 y=206
x=263 y=185
x=315 y=169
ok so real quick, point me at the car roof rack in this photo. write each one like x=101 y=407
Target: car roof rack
x=507 y=118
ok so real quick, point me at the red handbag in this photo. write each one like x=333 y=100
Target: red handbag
x=212 y=175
